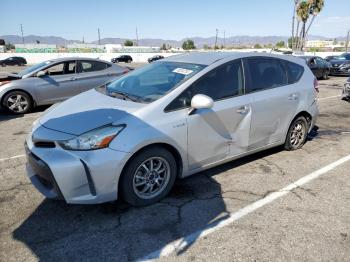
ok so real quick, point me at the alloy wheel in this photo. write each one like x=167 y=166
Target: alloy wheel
x=297 y=135
x=17 y=103
x=151 y=177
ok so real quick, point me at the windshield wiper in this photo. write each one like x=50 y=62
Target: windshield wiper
x=123 y=96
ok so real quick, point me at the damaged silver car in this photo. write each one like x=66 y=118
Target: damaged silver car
x=133 y=137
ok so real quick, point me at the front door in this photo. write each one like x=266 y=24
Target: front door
x=58 y=84
x=222 y=131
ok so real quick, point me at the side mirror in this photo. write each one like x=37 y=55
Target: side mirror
x=200 y=102
x=40 y=74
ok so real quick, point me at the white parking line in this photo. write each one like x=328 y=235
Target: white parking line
x=12 y=157
x=325 y=98
x=184 y=242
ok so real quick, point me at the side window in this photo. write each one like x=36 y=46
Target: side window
x=265 y=73
x=319 y=61
x=57 y=69
x=91 y=66
x=70 y=67
x=220 y=83
x=294 y=71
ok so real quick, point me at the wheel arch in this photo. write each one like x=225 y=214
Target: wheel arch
x=170 y=148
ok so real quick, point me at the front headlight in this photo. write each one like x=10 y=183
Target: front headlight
x=94 y=139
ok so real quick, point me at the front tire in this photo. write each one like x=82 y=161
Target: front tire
x=148 y=177
x=18 y=102
x=297 y=134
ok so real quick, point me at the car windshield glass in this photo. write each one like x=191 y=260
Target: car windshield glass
x=33 y=68
x=151 y=82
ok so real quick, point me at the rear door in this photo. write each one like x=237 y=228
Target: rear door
x=274 y=101
x=92 y=74
x=58 y=84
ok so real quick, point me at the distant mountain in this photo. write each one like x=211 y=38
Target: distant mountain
x=199 y=41
x=16 y=39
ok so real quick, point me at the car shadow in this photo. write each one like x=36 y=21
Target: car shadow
x=5 y=115
x=119 y=232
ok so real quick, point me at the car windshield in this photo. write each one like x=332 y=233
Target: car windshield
x=344 y=57
x=151 y=82
x=33 y=68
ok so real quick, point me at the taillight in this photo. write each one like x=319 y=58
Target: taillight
x=4 y=82
x=316 y=85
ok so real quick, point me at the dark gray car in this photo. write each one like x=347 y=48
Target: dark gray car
x=53 y=81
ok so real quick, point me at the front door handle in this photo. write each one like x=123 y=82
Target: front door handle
x=243 y=110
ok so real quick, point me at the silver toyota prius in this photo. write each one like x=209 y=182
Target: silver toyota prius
x=133 y=137
x=54 y=81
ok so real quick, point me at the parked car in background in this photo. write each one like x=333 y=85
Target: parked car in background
x=331 y=57
x=341 y=65
x=122 y=58
x=53 y=81
x=14 y=60
x=155 y=58
x=319 y=67
x=346 y=90
x=169 y=120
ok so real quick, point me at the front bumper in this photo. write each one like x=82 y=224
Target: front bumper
x=339 y=71
x=78 y=177
x=346 y=91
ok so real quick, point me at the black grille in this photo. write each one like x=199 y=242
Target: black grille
x=45 y=144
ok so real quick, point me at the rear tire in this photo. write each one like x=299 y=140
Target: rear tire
x=148 y=177
x=297 y=134
x=18 y=102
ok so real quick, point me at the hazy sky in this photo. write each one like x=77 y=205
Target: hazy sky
x=165 y=19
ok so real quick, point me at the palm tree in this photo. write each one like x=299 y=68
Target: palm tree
x=303 y=13
x=296 y=2
x=316 y=7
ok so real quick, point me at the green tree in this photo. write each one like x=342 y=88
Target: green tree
x=128 y=43
x=257 y=46
x=2 y=42
x=188 y=45
x=290 y=42
x=280 y=44
x=9 y=46
x=335 y=41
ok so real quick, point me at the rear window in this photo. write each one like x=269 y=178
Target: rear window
x=294 y=71
x=92 y=66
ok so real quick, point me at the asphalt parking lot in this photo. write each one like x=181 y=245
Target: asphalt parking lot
x=311 y=222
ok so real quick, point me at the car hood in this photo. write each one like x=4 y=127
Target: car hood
x=8 y=76
x=88 y=111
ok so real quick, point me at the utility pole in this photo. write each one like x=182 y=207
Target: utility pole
x=22 y=34
x=137 y=38
x=224 y=39
x=347 y=42
x=83 y=40
x=99 y=36
x=216 y=39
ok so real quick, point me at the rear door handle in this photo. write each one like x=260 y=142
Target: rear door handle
x=293 y=97
x=243 y=110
